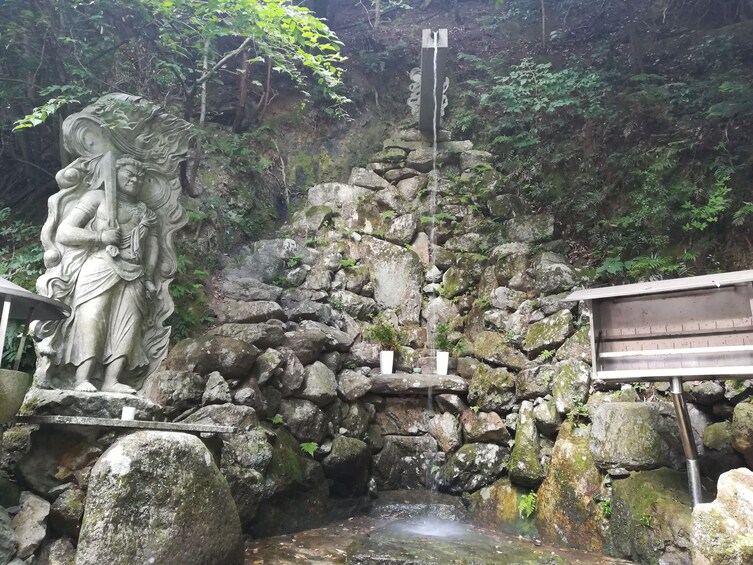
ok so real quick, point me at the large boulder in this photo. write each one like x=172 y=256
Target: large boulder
x=484 y=427
x=347 y=465
x=319 y=384
x=232 y=357
x=268 y=334
x=549 y=333
x=158 y=497
x=742 y=431
x=7 y=537
x=567 y=510
x=30 y=524
x=446 y=430
x=240 y=312
x=492 y=389
x=493 y=348
x=304 y=419
x=722 y=529
x=471 y=467
x=526 y=466
x=405 y=462
x=175 y=391
x=570 y=387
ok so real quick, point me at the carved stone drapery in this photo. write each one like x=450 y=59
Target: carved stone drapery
x=108 y=246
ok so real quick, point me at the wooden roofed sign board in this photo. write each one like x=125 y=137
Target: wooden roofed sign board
x=689 y=329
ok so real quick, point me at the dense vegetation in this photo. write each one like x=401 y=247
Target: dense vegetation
x=632 y=122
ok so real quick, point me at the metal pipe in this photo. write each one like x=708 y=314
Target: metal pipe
x=688 y=443
x=4 y=326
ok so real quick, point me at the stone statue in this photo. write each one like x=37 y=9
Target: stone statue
x=108 y=244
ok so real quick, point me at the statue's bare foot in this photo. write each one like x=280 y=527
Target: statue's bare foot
x=118 y=387
x=86 y=386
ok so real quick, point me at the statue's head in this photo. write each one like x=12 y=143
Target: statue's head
x=130 y=174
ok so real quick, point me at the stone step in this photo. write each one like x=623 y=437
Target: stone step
x=419 y=384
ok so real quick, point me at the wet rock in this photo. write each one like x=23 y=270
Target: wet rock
x=445 y=428
x=651 y=518
x=30 y=524
x=249 y=395
x=721 y=529
x=421 y=247
x=473 y=466
x=534 y=381
x=567 y=510
x=570 y=387
x=404 y=416
x=396 y=175
x=7 y=537
x=492 y=389
x=742 y=431
x=291 y=378
x=175 y=391
x=232 y=357
x=397 y=274
x=401 y=229
x=319 y=384
x=304 y=419
x=41 y=402
x=217 y=390
x=577 y=346
x=356 y=420
x=269 y=364
x=631 y=435
x=360 y=307
x=164 y=483
x=404 y=462
x=367 y=179
x=530 y=229
x=352 y=385
x=703 y=392
x=497 y=506
x=66 y=512
x=262 y=336
x=526 y=466
x=549 y=333
x=484 y=427
x=347 y=466
x=493 y=348
x=719 y=456
x=237 y=312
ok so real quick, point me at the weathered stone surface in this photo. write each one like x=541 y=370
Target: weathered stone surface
x=651 y=518
x=356 y=421
x=7 y=537
x=497 y=506
x=290 y=379
x=352 y=385
x=404 y=416
x=530 y=229
x=446 y=430
x=364 y=353
x=484 y=427
x=309 y=310
x=319 y=279
x=347 y=465
x=238 y=312
x=474 y=157
x=390 y=154
x=567 y=510
x=247 y=289
x=307 y=222
x=471 y=467
x=718 y=454
x=268 y=260
x=175 y=391
x=570 y=387
x=526 y=467
x=304 y=419
x=232 y=357
x=307 y=343
x=492 y=347
x=742 y=431
x=703 y=392
x=158 y=496
x=217 y=390
x=398 y=276
x=506 y=206
x=261 y=336
x=404 y=462
x=722 y=528
x=507 y=298
x=631 y=435
x=451 y=403
x=461 y=277
x=549 y=333
x=367 y=179
x=67 y=511
x=534 y=381
x=319 y=384
x=547 y=418
x=30 y=524
x=396 y=175
x=42 y=402
x=577 y=346
x=412 y=383
x=336 y=195
x=56 y=552
x=249 y=394
x=410 y=187
x=421 y=159
x=401 y=229
x=269 y=364
x=422 y=248
x=360 y=307
x=334 y=339
x=552 y=273
x=492 y=390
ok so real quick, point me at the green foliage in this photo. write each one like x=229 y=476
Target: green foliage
x=527 y=505
x=21 y=253
x=381 y=331
x=441 y=337
x=440 y=217
x=309 y=447
x=578 y=415
x=606 y=507
x=294 y=262
x=702 y=215
x=545 y=355
x=189 y=292
x=277 y=420
x=347 y=263
x=645 y=520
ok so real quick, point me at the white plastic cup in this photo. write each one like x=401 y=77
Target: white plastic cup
x=128 y=413
x=386 y=361
x=443 y=362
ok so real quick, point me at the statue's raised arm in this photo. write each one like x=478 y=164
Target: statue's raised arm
x=108 y=244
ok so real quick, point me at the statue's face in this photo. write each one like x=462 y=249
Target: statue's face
x=130 y=178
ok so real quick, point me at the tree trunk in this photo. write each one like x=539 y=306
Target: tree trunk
x=543 y=23
x=240 y=109
x=377 y=13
